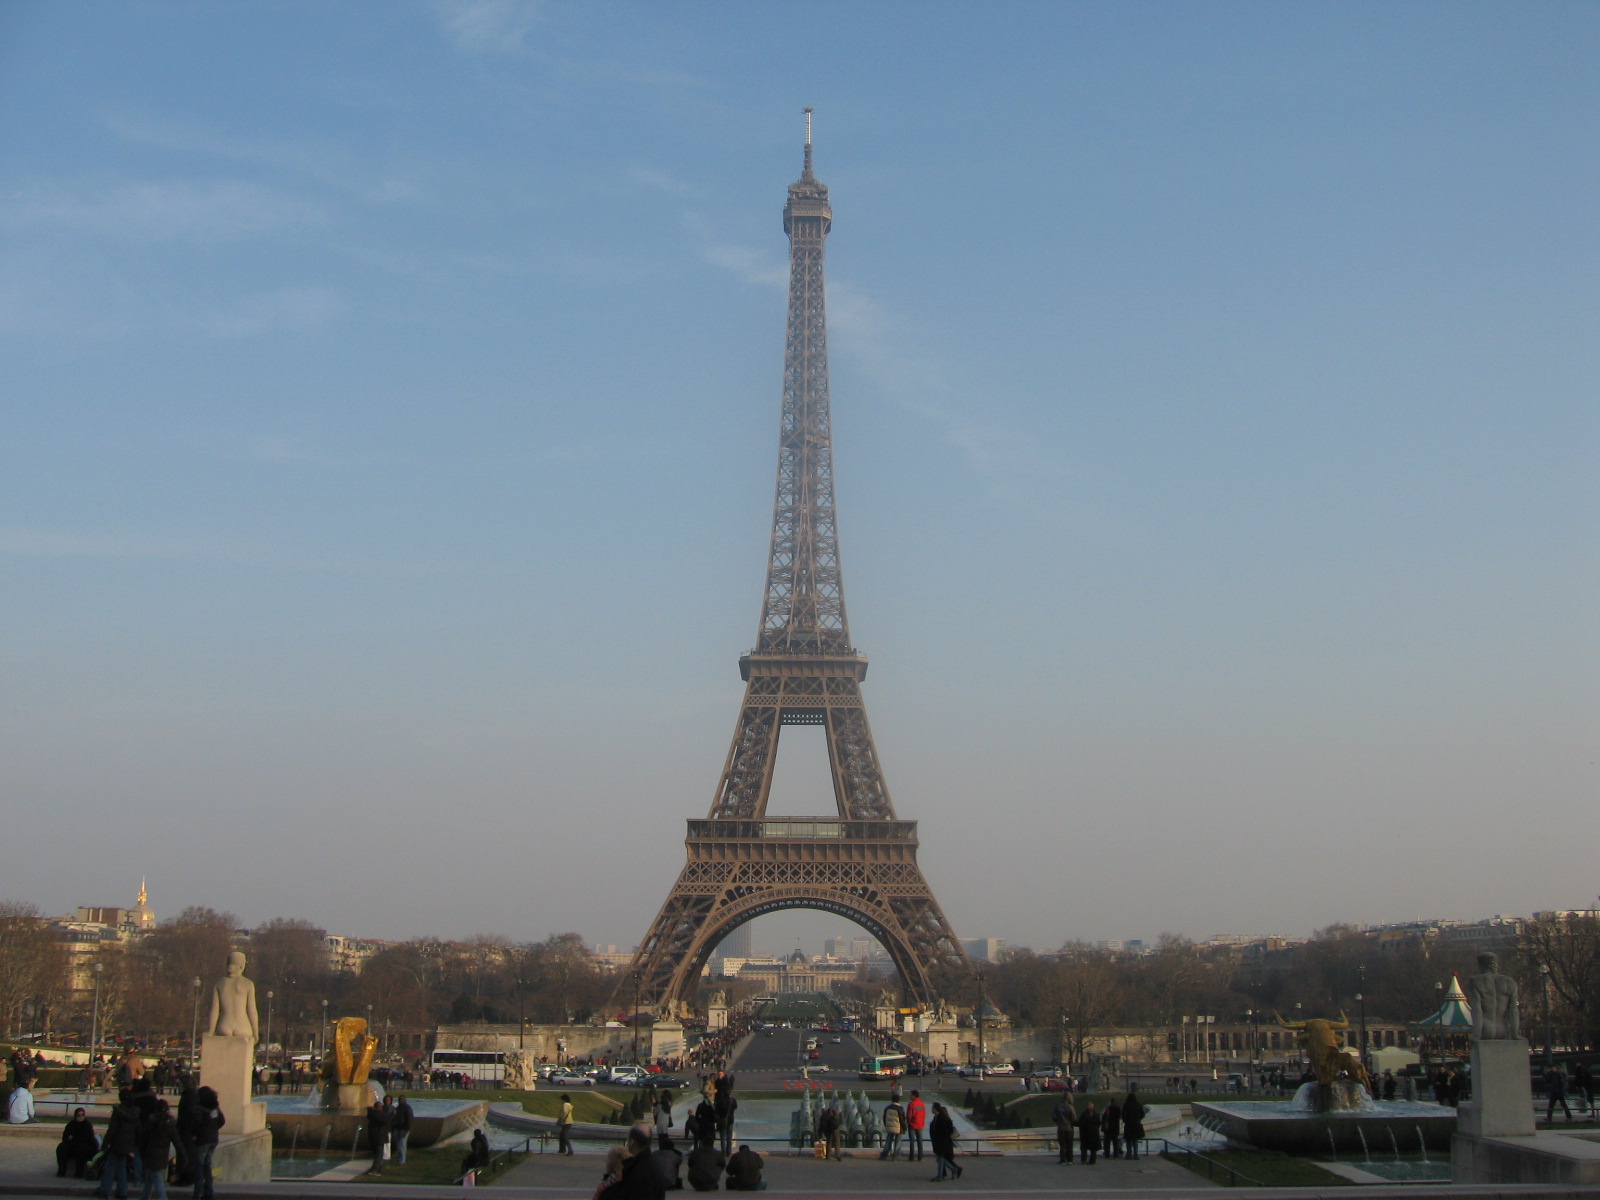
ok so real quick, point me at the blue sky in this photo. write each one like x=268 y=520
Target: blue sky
x=390 y=420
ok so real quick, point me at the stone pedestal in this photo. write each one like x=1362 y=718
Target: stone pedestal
x=666 y=1040
x=243 y=1158
x=1502 y=1093
x=226 y=1067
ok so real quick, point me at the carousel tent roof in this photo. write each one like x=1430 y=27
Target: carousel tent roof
x=1455 y=1013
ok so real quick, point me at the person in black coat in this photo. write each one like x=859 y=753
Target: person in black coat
x=77 y=1146
x=379 y=1118
x=1133 y=1111
x=1089 y=1135
x=942 y=1140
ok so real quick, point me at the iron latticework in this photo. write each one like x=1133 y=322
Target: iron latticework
x=860 y=863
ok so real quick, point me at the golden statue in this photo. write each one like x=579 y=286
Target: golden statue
x=352 y=1049
x=1323 y=1042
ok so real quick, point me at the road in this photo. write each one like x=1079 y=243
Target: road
x=779 y=1055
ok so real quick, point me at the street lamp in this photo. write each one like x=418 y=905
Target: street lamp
x=635 y=1021
x=1549 y=1042
x=1438 y=1014
x=266 y=1042
x=982 y=1064
x=94 y=1021
x=194 y=1022
x=1361 y=999
x=322 y=1058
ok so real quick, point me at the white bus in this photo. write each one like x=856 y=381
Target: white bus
x=481 y=1066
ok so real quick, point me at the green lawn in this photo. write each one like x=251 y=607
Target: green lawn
x=590 y=1105
x=437 y=1165
x=1271 y=1167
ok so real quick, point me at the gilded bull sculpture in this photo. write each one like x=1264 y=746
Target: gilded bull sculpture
x=1323 y=1042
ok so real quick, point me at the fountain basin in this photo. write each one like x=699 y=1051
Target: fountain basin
x=1282 y=1125
x=431 y=1121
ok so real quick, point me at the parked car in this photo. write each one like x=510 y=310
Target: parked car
x=570 y=1079
x=836 y=1041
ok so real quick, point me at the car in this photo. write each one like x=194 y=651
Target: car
x=1061 y=1083
x=570 y=1079
x=836 y=1041
x=817 y=1066
x=1045 y=1073
x=627 y=1075
x=815 y=1054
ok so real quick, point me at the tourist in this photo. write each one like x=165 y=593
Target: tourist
x=120 y=1145
x=744 y=1171
x=942 y=1137
x=157 y=1136
x=1111 y=1129
x=916 y=1122
x=1555 y=1083
x=478 y=1154
x=828 y=1130
x=662 y=1111
x=1583 y=1084
x=77 y=1146
x=667 y=1161
x=564 y=1125
x=636 y=1178
x=379 y=1118
x=894 y=1124
x=400 y=1130
x=1133 y=1111
x=706 y=1164
x=1066 y=1118
x=726 y=1107
x=702 y=1123
x=21 y=1109
x=1089 y=1135
x=204 y=1130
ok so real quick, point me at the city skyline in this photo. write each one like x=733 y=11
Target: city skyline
x=392 y=413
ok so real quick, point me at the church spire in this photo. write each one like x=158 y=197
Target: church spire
x=144 y=897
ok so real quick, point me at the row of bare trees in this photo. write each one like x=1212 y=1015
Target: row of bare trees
x=1083 y=991
x=155 y=986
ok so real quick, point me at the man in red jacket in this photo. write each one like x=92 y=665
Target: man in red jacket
x=916 y=1122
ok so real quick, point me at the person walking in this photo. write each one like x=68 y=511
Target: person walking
x=916 y=1122
x=942 y=1138
x=1555 y=1083
x=564 y=1125
x=121 y=1144
x=662 y=1112
x=1066 y=1117
x=1089 y=1135
x=725 y=1106
x=894 y=1124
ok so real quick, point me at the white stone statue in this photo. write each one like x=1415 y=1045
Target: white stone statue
x=233 y=1004
x=1493 y=998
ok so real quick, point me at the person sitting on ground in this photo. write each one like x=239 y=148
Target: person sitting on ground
x=667 y=1160
x=21 y=1110
x=638 y=1179
x=744 y=1171
x=706 y=1164
x=477 y=1153
x=77 y=1146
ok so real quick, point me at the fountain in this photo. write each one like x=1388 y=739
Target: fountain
x=339 y=1105
x=1335 y=1110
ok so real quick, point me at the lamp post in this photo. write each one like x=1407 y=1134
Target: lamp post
x=194 y=1021
x=266 y=1042
x=1438 y=1014
x=982 y=1065
x=94 y=1021
x=1361 y=999
x=635 y=1020
x=1549 y=1041
x=322 y=1058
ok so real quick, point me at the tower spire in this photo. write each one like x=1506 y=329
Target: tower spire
x=806 y=174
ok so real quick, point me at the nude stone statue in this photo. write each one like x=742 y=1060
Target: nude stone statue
x=1493 y=998
x=233 y=1003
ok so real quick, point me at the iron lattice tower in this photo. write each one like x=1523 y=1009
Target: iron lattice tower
x=860 y=863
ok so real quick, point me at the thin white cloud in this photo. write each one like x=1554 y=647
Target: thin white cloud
x=753 y=266
x=295 y=309
x=204 y=210
x=489 y=26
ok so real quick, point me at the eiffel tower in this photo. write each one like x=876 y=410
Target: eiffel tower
x=861 y=862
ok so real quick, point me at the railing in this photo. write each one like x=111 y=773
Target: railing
x=803 y=828
x=498 y=1155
